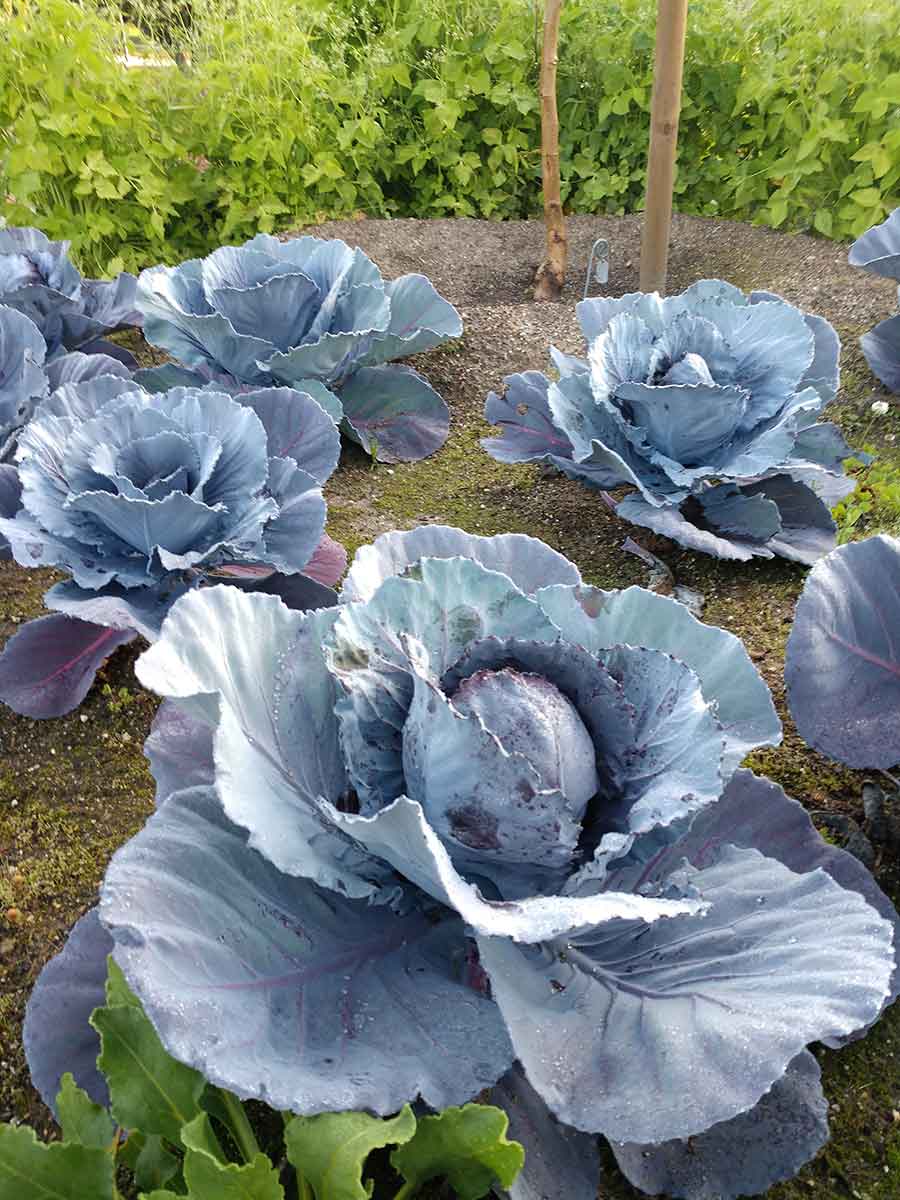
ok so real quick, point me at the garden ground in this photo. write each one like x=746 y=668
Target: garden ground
x=72 y=790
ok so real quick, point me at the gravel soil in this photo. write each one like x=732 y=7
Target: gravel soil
x=72 y=790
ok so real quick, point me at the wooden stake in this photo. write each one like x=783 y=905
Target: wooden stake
x=551 y=274
x=671 y=26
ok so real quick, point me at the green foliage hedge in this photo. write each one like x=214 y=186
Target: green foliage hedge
x=292 y=109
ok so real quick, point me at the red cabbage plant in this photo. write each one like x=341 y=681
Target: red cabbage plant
x=476 y=826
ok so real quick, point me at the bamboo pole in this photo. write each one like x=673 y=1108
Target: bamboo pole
x=671 y=27
x=551 y=274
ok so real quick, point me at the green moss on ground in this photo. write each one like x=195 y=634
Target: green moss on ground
x=71 y=792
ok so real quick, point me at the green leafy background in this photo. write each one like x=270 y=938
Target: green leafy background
x=288 y=110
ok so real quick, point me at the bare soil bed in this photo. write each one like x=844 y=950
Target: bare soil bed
x=72 y=790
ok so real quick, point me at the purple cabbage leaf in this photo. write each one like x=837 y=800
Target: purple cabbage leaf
x=842 y=666
x=878 y=251
x=27 y=377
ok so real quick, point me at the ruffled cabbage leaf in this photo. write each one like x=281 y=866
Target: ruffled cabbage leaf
x=38 y=278
x=842 y=666
x=878 y=251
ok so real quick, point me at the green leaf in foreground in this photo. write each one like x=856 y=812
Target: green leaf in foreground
x=131 y=1148
x=81 y=1120
x=200 y=1137
x=30 y=1169
x=148 y=1089
x=117 y=990
x=330 y=1150
x=468 y=1145
x=208 y=1178
x=154 y=1166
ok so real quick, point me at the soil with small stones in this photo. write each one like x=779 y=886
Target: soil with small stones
x=72 y=790
x=492 y=262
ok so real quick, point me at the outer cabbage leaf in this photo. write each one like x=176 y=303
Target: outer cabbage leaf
x=57 y=1034
x=529 y=563
x=394 y=414
x=774 y=516
x=328 y=563
x=10 y=501
x=178 y=319
x=179 y=749
x=529 y=433
x=141 y=609
x=294 y=535
x=754 y=811
x=674 y=524
x=168 y=375
x=771 y=1141
x=331 y=357
x=823 y=373
x=559 y=1161
x=276 y=744
x=744 y=1156
x=881 y=347
x=48 y=666
x=726 y=1036
x=23 y=382
x=296 y=591
x=401 y=836
x=286 y=992
x=79 y=367
x=878 y=251
x=842 y=667
x=420 y=320
x=825 y=445
x=73 y=402
x=298 y=428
